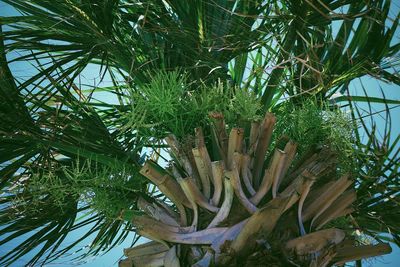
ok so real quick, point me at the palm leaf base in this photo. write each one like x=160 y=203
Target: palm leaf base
x=234 y=210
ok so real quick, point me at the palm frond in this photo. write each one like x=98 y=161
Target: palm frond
x=42 y=132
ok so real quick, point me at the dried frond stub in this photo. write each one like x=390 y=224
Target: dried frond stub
x=231 y=231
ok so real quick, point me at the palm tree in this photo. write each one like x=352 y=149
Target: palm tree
x=54 y=131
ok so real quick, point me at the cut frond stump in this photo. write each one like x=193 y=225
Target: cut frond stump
x=245 y=207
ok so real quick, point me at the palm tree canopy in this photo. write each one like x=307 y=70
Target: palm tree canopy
x=207 y=55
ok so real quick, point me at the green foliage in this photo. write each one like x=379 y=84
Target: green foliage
x=105 y=190
x=165 y=105
x=314 y=124
x=244 y=106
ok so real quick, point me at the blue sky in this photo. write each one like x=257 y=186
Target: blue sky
x=91 y=76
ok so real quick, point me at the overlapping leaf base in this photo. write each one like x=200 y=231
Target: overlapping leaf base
x=232 y=212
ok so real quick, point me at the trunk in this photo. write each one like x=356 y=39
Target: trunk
x=232 y=212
